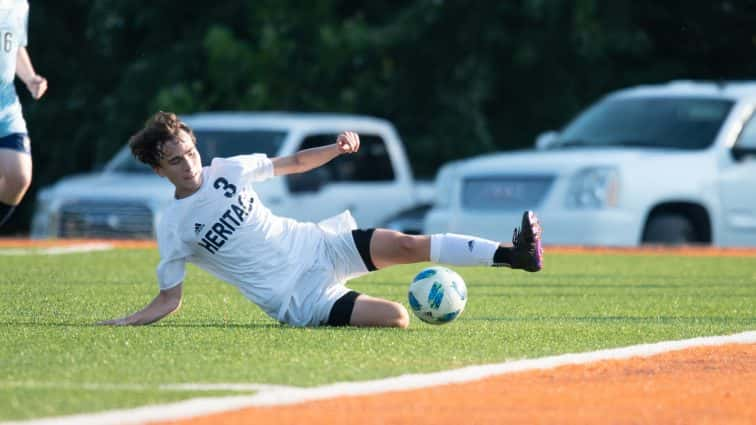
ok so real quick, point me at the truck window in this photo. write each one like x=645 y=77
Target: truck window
x=370 y=164
x=225 y=143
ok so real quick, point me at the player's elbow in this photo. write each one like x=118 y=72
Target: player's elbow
x=291 y=164
x=298 y=163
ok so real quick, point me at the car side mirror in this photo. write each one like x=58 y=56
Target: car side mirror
x=546 y=139
x=743 y=153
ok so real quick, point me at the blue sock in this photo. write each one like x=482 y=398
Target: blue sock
x=5 y=212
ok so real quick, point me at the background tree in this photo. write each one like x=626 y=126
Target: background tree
x=457 y=78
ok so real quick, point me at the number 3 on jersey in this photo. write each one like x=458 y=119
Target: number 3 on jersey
x=223 y=184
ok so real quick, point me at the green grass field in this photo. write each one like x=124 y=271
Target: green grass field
x=54 y=361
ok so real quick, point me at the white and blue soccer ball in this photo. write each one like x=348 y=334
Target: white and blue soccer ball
x=437 y=295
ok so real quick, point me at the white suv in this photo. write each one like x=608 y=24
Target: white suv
x=671 y=163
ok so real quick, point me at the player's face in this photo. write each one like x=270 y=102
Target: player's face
x=181 y=165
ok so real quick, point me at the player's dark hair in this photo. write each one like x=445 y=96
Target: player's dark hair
x=147 y=144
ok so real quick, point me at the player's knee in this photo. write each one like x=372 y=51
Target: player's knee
x=408 y=245
x=16 y=183
x=400 y=317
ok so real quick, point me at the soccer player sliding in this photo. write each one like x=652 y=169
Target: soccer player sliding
x=296 y=272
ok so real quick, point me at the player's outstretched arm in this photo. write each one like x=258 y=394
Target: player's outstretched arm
x=165 y=303
x=307 y=159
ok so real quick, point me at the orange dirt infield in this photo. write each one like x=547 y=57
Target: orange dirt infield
x=646 y=250
x=712 y=385
x=695 y=251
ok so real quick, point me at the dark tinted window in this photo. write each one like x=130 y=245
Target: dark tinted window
x=371 y=163
x=677 y=123
x=222 y=144
x=212 y=144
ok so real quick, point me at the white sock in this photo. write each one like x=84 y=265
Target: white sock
x=462 y=250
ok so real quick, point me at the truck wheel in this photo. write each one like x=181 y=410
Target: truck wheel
x=670 y=229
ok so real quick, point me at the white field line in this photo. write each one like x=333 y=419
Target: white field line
x=68 y=386
x=288 y=395
x=73 y=249
x=226 y=387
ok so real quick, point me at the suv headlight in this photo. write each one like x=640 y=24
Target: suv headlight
x=594 y=187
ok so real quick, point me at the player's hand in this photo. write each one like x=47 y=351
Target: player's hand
x=37 y=86
x=348 y=142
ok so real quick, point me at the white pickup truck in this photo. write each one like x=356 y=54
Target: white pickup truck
x=125 y=200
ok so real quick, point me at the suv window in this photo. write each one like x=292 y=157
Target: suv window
x=213 y=144
x=370 y=164
x=747 y=138
x=656 y=122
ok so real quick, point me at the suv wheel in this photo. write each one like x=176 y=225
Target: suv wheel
x=670 y=229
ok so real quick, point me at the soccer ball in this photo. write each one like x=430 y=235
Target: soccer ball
x=437 y=295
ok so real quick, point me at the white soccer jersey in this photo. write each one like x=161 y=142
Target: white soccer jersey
x=13 y=19
x=224 y=229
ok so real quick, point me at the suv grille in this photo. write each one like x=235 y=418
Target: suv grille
x=106 y=219
x=505 y=192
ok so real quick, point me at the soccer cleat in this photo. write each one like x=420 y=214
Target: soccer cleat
x=527 y=252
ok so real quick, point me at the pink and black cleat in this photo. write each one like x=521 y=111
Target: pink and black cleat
x=527 y=252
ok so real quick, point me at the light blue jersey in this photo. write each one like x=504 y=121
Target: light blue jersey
x=14 y=15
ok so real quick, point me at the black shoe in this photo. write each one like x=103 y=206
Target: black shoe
x=527 y=252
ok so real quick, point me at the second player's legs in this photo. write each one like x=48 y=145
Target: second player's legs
x=15 y=175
